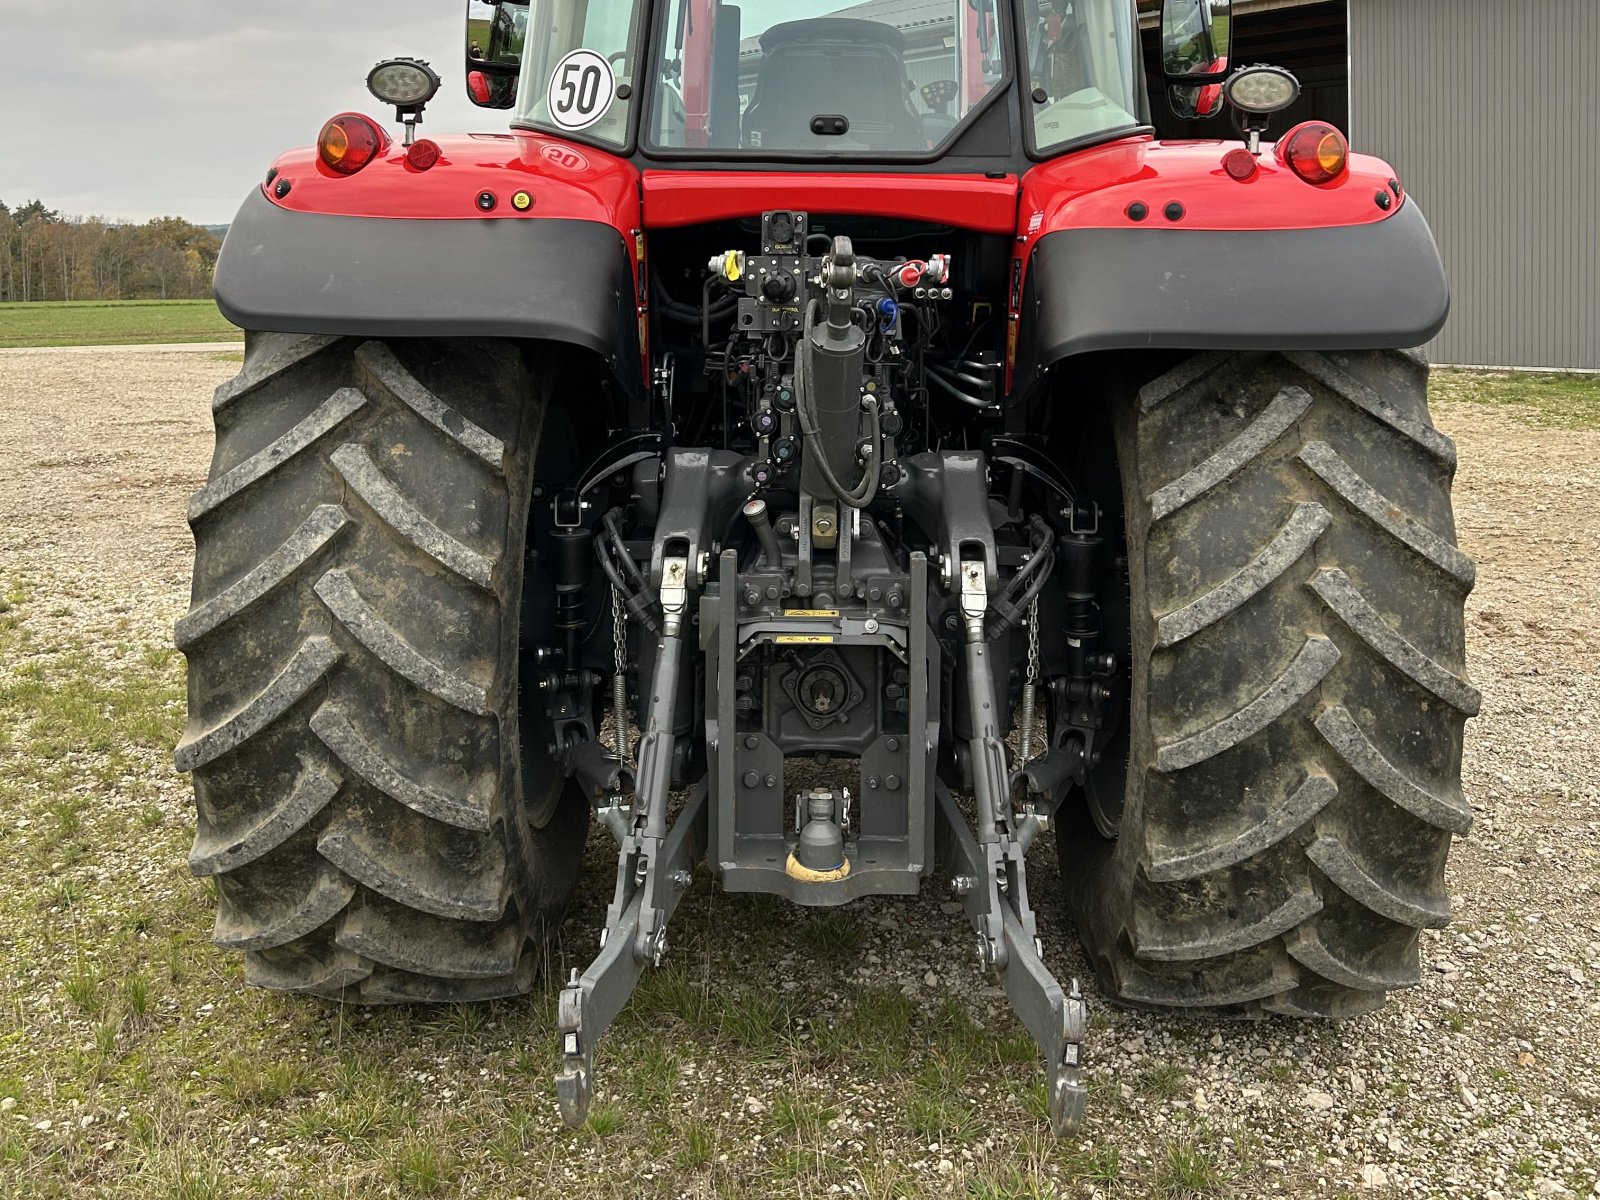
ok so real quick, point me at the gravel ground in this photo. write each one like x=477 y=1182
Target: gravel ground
x=1483 y=1082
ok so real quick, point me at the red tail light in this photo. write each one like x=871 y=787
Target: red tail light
x=349 y=142
x=478 y=85
x=1314 y=151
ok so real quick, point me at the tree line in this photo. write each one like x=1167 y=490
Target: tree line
x=45 y=256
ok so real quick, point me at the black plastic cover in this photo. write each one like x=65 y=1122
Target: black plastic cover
x=554 y=279
x=1360 y=287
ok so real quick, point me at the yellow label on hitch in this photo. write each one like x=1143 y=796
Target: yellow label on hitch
x=811 y=612
x=804 y=639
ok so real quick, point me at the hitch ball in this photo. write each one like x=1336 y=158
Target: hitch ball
x=821 y=845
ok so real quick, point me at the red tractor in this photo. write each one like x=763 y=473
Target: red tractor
x=867 y=408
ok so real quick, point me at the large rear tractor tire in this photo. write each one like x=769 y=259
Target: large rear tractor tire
x=373 y=827
x=1298 y=689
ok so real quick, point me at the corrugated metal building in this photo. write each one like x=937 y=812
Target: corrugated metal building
x=1485 y=109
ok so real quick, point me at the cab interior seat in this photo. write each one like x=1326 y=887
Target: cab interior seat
x=832 y=65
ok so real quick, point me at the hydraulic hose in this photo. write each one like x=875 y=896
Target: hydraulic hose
x=688 y=314
x=954 y=391
x=962 y=377
x=634 y=588
x=613 y=528
x=1007 y=609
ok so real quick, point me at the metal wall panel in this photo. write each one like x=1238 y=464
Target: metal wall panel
x=1485 y=108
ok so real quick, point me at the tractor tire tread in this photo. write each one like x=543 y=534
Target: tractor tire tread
x=353 y=672
x=1299 y=689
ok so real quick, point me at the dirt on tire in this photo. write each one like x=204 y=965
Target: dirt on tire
x=1299 y=689
x=353 y=673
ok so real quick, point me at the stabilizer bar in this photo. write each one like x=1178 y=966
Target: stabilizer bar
x=591 y=1002
x=1058 y=1019
x=654 y=868
x=993 y=880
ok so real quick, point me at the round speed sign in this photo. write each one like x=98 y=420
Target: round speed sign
x=581 y=89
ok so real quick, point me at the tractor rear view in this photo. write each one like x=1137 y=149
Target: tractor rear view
x=918 y=455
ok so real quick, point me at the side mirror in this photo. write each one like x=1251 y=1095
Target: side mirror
x=1196 y=48
x=495 y=33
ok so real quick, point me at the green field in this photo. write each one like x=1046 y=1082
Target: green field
x=1547 y=399
x=112 y=323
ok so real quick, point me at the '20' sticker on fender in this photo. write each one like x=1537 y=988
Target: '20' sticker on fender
x=581 y=89
x=564 y=157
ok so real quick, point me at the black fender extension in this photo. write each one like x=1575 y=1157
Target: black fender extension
x=543 y=278
x=1379 y=286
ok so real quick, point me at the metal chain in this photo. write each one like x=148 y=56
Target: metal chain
x=1033 y=640
x=1030 y=688
x=619 y=678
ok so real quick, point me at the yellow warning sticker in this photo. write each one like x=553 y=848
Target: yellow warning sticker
x=804 y=639
x=811 y=612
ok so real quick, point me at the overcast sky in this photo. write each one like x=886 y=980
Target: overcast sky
x=132 y=109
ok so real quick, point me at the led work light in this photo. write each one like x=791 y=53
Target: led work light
x=1261 y=90
x=403 y=82
x=408 y=84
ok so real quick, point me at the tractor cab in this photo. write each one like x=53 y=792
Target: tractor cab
x=887 y=80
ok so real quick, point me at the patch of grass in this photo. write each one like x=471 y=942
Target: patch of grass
x=343 y=1117
x=420 y=1166
x=669 y=991
x=63 y=895
x=880 y=1014
x=653 y=1077
x=12 y=599
x=1164 y=1081
x=1016 y=1048
x=604 y=1120
x=696 y=1144
x=83 y=988
x=458 y=1021
x=106 y=1034
x=71 y=704
x=939 y=1118
x=830 y=934
x=1545 y=400
x=247 y=1084
x=1187 y=1170
x=192 y=1179
x=1099 y=1164
x=801 y=1118
x=754 y=1019
x=946 y=1070
x=13 y=1146
x=957 y=1034
x=1009 y=1183
x=1525 y=1167
x=112 y=323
